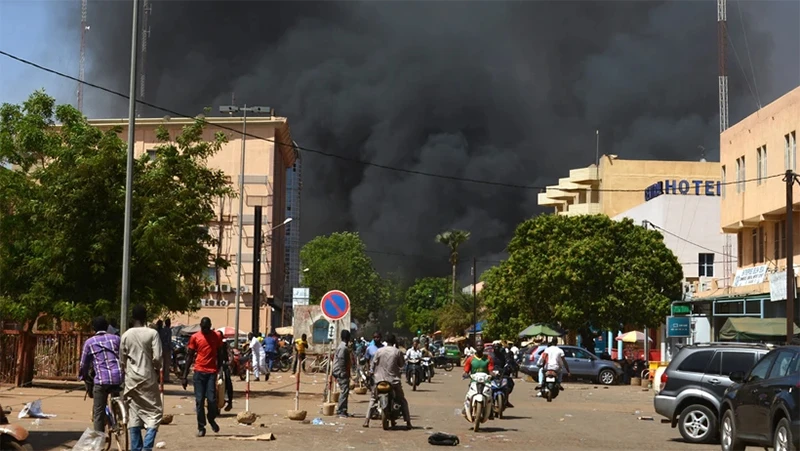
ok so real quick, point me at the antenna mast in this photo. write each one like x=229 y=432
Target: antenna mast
x=81 y=69
x=722 y=44
x=147 y=9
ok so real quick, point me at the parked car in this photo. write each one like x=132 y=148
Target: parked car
x=693 y=385
x=529 y=359
x=763 y=408
x=582 y=364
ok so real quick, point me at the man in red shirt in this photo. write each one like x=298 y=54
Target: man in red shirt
x=204 y=351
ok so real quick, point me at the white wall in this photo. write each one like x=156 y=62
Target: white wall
x=696 y=222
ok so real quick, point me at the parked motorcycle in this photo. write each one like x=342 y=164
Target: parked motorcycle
x=364 y=379
x=12 y=436
x=478 y=405
x=441 y=361
x=413 y=373
x=427 y=369
x=240 y=364
x=499 y=394
x=388 y=408
x=550 y=388
x=178 y=358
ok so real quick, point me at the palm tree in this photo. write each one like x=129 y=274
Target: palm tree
x=453 y=239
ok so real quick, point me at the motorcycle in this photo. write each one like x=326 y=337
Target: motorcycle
x=427 y=369
x=413 y=373
x=364 y=379
x=478 y=405
x=389 y=409
x=499 y=387
x=441 y=361
x=240 y=364
x=12 y=436
x=550 y=387
x=178 y=358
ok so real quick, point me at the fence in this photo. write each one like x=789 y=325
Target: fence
x=57 y=355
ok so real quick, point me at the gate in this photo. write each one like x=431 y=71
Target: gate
x=9 y=344
x=57 y=355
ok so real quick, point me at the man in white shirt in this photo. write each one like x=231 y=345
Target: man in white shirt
x=552 y=359
x=469 y=351
x=412 y=353
x=257 y=357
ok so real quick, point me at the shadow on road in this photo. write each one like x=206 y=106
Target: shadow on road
x=52 y=439
x=513 y=417
x=490 y=430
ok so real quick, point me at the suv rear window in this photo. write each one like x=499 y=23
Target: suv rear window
x=696 y=362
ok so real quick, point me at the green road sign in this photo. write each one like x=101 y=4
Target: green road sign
x=681 y=309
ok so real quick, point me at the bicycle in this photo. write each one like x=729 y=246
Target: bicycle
x=116 y=424
x=319 y=364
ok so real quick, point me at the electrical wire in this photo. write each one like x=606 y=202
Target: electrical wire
x=661 y=229
x=749 y=56
x=328 y=154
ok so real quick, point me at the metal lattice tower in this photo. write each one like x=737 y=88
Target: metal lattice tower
x=722 y=45
x=82 y=67
x=147 y=9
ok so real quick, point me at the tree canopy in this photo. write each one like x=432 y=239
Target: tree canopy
x=422 y=302
x=582 y=272
x=62 y=212
x=339 y=262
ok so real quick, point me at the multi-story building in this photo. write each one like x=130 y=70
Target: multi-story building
x=294 y=186
x=754 y=156
x=616 y=185
x=267 y=160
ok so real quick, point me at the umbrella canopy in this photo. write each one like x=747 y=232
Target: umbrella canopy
x=190 y=330
x=288 y=330
x=535 y=330
x=633 y=336
x=229 y=332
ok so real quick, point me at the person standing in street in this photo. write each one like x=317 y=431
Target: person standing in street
x=204 y=353
x=341 y=371
x=224 y=359
x=101 y=356
x=300 y=346
x=140 y=355
x=165 y=333
x=256 y=355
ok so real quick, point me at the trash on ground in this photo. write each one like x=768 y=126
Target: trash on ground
x=568 y=415
x=646 y=418
x=638 y=412
x=91 y=440
x=317 y=421
x=161 y=445
x=253 y=438
x=34 y=410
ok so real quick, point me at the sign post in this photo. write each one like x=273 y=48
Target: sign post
x=335 y=305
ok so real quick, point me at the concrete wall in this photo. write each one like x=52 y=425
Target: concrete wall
x=305 y=317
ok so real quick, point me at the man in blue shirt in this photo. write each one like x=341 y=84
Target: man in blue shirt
x=271 y=350
x=374 y=345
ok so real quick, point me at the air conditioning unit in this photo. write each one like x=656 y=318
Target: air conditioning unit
x=245 y=289
x=223 y=303
x=211 y=302
x=225 y=288
x=705 y=284
x=203 y=302
x=213 y=289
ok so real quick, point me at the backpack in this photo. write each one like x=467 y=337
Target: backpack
x=442 y=439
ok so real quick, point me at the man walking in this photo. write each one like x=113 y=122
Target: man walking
x=257 y=356
x=224 y=359
x=270 y=345
x=341 y=371
x=300 y=346
x=203 y=352
x=101 y=356
x=165 y=334
x=387 y=366
x=140 y=355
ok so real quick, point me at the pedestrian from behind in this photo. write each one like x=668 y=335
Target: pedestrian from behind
x=140 y=355
x=341 y=371
x=257 y=355
x=165 y=333
x=203 y=352
x=270 y=345
x=224 y=359
x=101 y=356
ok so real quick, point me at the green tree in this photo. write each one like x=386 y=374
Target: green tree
x=456 y=317
x=453 y=239
x=582 y=272
x=62 y=207
x=421 y=304
x=339 y=262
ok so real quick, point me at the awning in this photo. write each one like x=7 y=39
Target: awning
x=535 y=330
x=289 y=330
x=480 y=327
x=754 y=328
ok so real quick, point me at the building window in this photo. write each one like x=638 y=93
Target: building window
x=724 y=180
x=790 y=151
x=740 y=174
x=779 y=240
x=740 y=248
x=151 y=154
x=706 y=268
x=758 y=244
x=761 y=164
x=754 y=244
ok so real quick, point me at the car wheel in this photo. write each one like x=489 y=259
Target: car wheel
x=783 y=436
x=697 y=424
x=728 y=438
x=606 y=377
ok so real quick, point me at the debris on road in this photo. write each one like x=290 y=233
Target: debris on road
x=253 y=438
x=246 y=418
x=34 y=410
x=161 y=445
x=646 y=418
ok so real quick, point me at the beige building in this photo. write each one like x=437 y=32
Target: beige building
x=618 y=185
x=266 y=161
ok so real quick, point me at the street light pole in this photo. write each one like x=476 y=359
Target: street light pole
x=126 y=240
x=244 y=109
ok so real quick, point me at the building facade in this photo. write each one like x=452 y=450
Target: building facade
x=754 y=156
x=617 y=185
x=294 y=186
x=269 y=154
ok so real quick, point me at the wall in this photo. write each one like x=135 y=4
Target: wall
x=305 y=316
x=224 y=316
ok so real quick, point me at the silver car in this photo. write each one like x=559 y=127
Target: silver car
x=582 y=364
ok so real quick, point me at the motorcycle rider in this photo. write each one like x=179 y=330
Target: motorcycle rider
x=552 y=359
x=387 y=365
x=478 y=362
x=506 y=366
x=412 y=353
x=374 y=345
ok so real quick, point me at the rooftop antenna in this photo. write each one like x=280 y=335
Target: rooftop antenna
x=82 y=64
x=147 y=9
x=702 y=153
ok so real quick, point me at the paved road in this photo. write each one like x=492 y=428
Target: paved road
x=584 y=417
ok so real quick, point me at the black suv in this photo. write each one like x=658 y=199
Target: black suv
x=694 y=383
x=763 y=409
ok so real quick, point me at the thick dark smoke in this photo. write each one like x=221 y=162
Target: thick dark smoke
x=488 y=90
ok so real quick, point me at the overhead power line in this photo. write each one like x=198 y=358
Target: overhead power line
x=661 y=229
x=328 y=154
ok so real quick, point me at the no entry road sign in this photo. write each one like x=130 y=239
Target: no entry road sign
x=335 y=305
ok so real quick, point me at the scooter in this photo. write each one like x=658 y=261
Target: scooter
x=427 y=369
x=441 y=361
x=499 y=394
x=12 y=436
x=364 y=379
x=550 y=387
x=414 y=373
x=240 y=364
x=388 y=408
x=478 y=405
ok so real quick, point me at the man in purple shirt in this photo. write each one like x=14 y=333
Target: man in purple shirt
x=100 y=365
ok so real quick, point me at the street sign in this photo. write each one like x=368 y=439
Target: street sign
x=335 y=305
x=331 y=331
x=681 y=309
x=679 y=326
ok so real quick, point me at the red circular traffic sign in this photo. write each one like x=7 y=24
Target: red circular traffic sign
x=335 y=305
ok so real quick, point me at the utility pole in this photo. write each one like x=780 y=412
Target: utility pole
x=791 y=284
x=256 y=319
x=474 y=300
x=82 y=63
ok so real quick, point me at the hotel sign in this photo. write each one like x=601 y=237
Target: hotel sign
x=683 y=187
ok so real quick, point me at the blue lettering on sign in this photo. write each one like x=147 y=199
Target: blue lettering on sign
x=683 y=187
